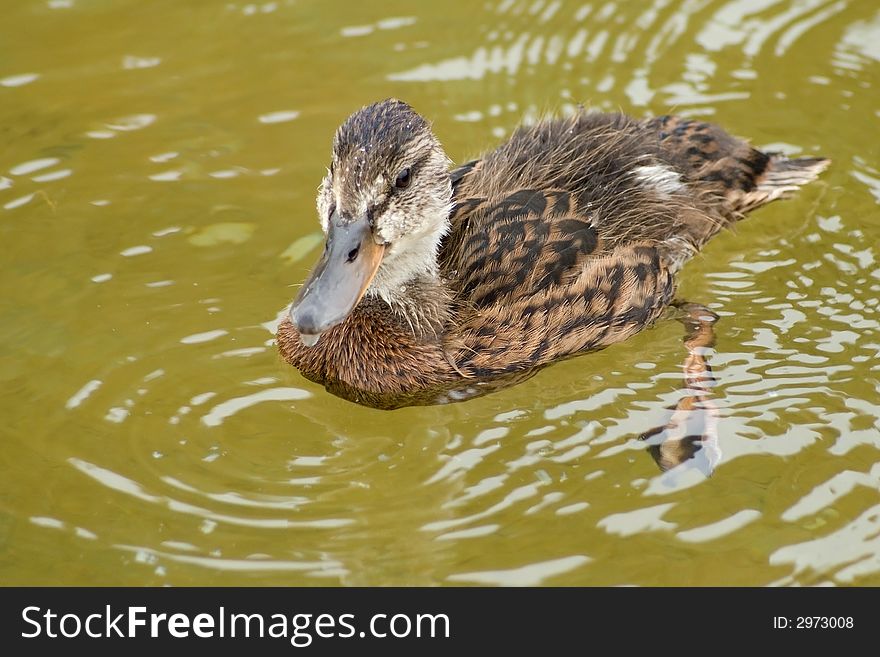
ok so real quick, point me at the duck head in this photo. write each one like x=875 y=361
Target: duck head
x=384 y=206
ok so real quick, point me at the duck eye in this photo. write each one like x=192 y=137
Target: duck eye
x=403 y=179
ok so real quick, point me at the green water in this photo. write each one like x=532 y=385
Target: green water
x=157 y=176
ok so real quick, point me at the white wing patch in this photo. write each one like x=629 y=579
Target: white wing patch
x=660 y=177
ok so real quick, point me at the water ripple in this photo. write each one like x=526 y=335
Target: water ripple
x=175 y=447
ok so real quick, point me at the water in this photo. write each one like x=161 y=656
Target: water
x=157 y=183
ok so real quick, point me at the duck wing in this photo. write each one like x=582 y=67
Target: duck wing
x=535 y=279
x=566 y=237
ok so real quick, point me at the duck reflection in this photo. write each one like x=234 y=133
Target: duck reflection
x=689 y=438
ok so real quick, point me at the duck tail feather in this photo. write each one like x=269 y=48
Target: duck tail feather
x=781 y=176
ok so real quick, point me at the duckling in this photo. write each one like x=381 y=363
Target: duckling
x=437 y=285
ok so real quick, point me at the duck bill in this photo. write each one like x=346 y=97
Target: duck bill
x=339 y=280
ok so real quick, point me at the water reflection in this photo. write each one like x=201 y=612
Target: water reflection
x=689 y=438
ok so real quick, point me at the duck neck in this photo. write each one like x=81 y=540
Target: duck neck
x=423 y=304
x=409 y=280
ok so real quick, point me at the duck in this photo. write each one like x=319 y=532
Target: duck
x=440 y=283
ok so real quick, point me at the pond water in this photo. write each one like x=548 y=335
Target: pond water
x=158 y=169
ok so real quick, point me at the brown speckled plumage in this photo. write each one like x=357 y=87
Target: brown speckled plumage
x=564 y=240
